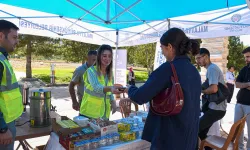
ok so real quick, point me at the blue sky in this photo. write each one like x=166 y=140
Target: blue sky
x=245 y=39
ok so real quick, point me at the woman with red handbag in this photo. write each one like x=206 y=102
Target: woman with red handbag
x=173 y=91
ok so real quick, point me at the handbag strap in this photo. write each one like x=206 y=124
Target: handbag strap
x=179 y=89
x=174 y=72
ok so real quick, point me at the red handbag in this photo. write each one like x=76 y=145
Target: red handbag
x=170 y=101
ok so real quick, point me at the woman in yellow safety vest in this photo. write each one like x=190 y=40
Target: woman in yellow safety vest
x=98 y=99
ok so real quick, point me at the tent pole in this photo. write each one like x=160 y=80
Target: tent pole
x=131 y=6
x=114 y=55
x=28 y=17
x=20 y=18
x=88 y=30
x=143 y=31
x=85 y=14
x=168 y=24
x=144 y=21
x=117 y=39
x=221 y=16
x=108 y=10
x=140 y=33
x=78 y=6
x=116 y=48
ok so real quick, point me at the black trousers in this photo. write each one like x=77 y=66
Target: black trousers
x=231 y=91
x=207 y=120
x=132 y=82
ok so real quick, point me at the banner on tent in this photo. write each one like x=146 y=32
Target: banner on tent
x=159 y=57
x=120 y=66
x=142 y=34
x=54 y=28
x=237 y=23
x=232 y=21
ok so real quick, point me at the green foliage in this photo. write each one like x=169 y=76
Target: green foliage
x=46 y=78
x=142 y=55
x=43 y=46
x=235 y=57
x=193 y=57
x=141 y=76
x=73 y=51
x=65 y=75
x=62 y=75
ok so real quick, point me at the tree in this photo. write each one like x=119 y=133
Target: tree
x=42 y=46
x=193 y=57
x=235 y=57
x=142 y=55
x=73 y=51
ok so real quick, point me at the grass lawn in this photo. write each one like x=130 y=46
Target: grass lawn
x=64 y=75
x=140 y=76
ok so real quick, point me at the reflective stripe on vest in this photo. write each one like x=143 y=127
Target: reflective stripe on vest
x=93 y=93
x=8 y=73
x=10 y=97
x=9 y=87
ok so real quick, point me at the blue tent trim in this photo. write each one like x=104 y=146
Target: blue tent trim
x=118 y=14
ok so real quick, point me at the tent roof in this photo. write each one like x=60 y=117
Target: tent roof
x=104 y=12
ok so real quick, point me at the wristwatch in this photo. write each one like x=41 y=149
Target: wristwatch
x=3 y=130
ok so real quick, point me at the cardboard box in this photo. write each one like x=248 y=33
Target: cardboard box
x=105 y=130
x=66 y=141
x=60 y=131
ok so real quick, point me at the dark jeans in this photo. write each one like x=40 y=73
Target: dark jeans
x=207 y=120
x=132 y=82
x=231 y=91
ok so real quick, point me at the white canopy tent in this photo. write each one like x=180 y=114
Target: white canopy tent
x=230 y=21
x=127 y=23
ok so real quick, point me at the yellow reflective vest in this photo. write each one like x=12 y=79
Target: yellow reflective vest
x=94 y=104
x=10 y=97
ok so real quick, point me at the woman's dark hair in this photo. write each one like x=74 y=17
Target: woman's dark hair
x=109 y=69
x=181 y=43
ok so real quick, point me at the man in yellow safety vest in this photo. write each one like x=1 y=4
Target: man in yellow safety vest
x=11 y=106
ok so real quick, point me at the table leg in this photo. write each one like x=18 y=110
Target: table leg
x=24 y=144
x=21 y=143
x=28 y=144
x=18 y=146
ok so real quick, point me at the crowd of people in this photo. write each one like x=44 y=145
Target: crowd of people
x=95 y=89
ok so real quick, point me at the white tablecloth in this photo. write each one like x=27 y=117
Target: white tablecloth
x=138 y=144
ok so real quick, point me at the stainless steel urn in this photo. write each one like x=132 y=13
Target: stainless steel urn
x=40 y=105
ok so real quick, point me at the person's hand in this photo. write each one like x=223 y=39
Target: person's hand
x=113 y=106
x=248 y=88
x=6 y=138
x=76 y=106
x=115 y=90
x=126 y=90
x=248 y=84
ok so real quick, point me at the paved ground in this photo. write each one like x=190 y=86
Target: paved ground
x=62 y=101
